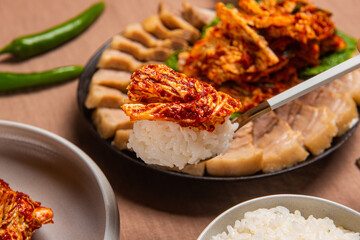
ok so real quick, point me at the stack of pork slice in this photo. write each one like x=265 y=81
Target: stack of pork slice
x=277 y=140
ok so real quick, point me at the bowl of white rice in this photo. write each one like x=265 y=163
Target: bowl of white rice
x=285 y=217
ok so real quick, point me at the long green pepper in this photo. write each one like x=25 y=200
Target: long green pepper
x=31 y=45
x=13 y=81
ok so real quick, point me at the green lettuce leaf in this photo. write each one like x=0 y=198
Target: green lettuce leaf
x=172 y=61
x=215 y=21
x=332 y=59
x=235 y=115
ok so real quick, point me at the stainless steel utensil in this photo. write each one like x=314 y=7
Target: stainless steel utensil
x=299 y=90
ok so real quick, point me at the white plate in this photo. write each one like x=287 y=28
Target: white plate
x=308 y=205
x=56 y=173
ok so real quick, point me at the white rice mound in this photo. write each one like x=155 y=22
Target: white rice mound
x=168 y=144
x=279 y=224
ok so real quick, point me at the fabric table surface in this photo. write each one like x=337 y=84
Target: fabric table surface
x=152 y=205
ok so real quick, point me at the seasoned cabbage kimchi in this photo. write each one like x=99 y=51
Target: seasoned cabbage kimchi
x=157 y=92
x=19 y=215
x=262 y=42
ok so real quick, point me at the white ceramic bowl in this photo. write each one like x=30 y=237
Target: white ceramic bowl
x=56 y=173
x=308 y=205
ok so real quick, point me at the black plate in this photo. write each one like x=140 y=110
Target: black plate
x=83 y=86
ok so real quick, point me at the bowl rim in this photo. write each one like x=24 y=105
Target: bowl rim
x=273 y=196
x=112 y=218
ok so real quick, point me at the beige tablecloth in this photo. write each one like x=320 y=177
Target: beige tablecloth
x=151 y=205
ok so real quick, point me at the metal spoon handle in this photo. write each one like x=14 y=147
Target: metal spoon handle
x=300 y=90
x=314 y=82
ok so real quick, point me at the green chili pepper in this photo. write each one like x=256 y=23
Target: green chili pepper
x=35 y=44
x=13 y=81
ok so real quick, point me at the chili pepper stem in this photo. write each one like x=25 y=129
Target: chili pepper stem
x=6 y=49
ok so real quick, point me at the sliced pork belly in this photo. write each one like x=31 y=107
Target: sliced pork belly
x=264 y=125
x=101 y=96
x=282 y=147
x=341 y=104
x=242 y=158
x=349 y=83
x=138 y=51
x=195 y=170
x=137 y=33
x=111 y=78
x=121 y=138
x=191 y=169
x=108 y=120
x=171 y=21
x=317 y=125
x=154 y=25
x=196 y=16
x=115 y=59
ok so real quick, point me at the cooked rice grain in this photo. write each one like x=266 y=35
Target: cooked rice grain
x=279 y=224
x=168 y=144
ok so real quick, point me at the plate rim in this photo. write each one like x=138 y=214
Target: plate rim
x=84 y=81
x=112 y=217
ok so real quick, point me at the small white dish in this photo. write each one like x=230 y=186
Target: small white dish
x=58 y=174
x=307 y=205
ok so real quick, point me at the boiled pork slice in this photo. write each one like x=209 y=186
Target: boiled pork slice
x=191 y=169
x=242 y=158
x=341 y=104
x=137 y=33
x=316 y=124
x=111 y=78
x=156 y=27
x=121 y=138
x=349 y=83
x=172 y=21
x=101 y=96
x=195 y=170
x=265 y=124
x=282 y=147
x=115 y=59
x=139 y=51
x=197 y=16
x=108 y=120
